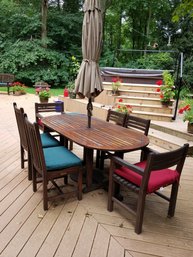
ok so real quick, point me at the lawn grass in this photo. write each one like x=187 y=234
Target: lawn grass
x=30 y=90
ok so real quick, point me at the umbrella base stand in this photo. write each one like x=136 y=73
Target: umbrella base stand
x=99 y=180
x=89 y=111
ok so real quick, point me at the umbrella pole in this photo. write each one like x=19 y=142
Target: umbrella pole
x=89 y=111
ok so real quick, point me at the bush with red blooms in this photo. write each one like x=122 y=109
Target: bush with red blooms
x=187 y=110
x=124 y=108
x=166 y=87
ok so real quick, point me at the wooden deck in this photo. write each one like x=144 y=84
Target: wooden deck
x=85 y=228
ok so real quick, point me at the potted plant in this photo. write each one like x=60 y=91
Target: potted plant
x=44 y=95
x=187 y=111
x=166 y=88
x=71 y=86
x=116 y=85
x=120 y=107
x=18 y=88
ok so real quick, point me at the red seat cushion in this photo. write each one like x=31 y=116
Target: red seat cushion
x=158 y=178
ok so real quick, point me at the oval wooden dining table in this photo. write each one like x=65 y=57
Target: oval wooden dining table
x=102 y=135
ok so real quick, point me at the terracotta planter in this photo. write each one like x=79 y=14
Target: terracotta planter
x=115 y=92
x=72 y=95
x=18 y=93
x=44 y=100
x=190 y=128
x=166 y=104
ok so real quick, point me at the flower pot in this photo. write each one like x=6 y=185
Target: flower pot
x=72 y=95
x=190 y=128
x=18 y=92
x=43 y=99
x=166 y=103
x=115 y=92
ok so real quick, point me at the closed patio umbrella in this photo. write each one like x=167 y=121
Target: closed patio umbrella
x=89 y=83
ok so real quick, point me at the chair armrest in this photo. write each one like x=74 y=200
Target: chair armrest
x=117 y=160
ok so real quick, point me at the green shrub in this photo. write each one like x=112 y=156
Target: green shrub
x=30 y=62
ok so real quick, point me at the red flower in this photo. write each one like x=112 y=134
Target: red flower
x=181 y=111
x=120 y=100
x=114 y=80
x=118 y=106
x=161 y=96
x=158 y=90
x=187 y=108
x=159 y=82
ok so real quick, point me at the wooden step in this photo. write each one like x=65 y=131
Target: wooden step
x=168 y=141
x=154 y=116
x=140 y=93
x=130 y=86
x=149 y=108
x=139 y=100
x=174 y=130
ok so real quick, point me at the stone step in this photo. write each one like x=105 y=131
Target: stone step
x=168 y=141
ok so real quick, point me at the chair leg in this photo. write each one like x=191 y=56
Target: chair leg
x=110 y=194
x=102 y=160
x=79 y=185
x=71 y=145
x=22 y=156
x=29 y=166
x=66 y=179
x=173 y=199
x=34 y=179
x=97 y=158
x=45 y=195
x=140 y=212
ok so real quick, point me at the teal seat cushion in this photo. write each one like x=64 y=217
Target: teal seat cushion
x=60 y=157
x=48 y=140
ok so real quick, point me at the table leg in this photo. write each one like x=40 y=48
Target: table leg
x=92 y=182
x=89 y=166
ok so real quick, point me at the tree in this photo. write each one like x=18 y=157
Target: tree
x=185 y=8
x=44 y=22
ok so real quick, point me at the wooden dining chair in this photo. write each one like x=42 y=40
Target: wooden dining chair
x=42 y=108
x=147 y=177
x=114 y=117
x=51 y=164
x=46 y=138
x=139 y=124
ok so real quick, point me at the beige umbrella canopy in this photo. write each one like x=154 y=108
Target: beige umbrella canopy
x=89 y=82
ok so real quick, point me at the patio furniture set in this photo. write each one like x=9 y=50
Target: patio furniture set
x=50 y=158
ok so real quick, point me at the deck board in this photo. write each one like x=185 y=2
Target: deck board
x=72 y=228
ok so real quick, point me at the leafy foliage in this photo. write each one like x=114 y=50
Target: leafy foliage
x=27 y=59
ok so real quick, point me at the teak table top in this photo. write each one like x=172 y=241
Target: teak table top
x=101 y=136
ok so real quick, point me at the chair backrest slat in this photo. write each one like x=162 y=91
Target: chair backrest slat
x=138 y=123
x=116 y=117
x=49 y=107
